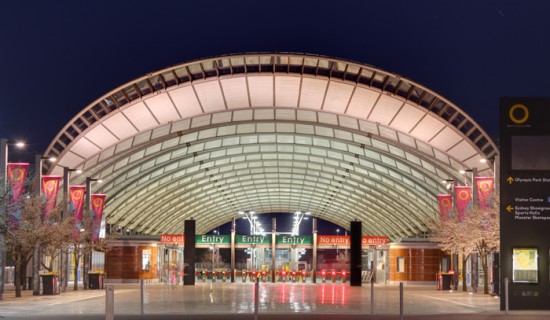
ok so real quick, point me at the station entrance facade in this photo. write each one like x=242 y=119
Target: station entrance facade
x=297 y=259
x=274 y=132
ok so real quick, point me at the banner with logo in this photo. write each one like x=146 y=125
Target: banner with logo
x=16 y=178
x=76 y=203
x=485 y=190
x=445 y=202
x=50 y=186
x=96 y=207
x=17 y=175
x=463 y=196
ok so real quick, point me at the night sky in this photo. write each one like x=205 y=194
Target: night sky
x=57 y=57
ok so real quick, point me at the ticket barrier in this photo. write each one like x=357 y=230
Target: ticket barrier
x=243 y=275
x=293 y=276
x=253 y=275
x=324 y=276
x=283 y=275
x=263 y=275
x=333 y=275
x=343 y=276
x=225 y=275
x=204 y=275
x=303 y=275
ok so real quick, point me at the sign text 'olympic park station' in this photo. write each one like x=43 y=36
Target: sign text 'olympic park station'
x=258 y=240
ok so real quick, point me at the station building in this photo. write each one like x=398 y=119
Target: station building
x=272 y=132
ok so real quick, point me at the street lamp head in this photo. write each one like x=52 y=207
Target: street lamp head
x=50 y=159
x=19 y=144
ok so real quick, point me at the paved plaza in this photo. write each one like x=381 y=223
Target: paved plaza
x=276 y=301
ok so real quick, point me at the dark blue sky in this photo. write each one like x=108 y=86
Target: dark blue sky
x=56 y=57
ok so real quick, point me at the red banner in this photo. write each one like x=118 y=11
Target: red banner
x=97 y=205
x=16 y=178
x=463 y=196
x=445 y=202
x=17 y=175
x=485 y=189
x=76 y=203
x=50 y=186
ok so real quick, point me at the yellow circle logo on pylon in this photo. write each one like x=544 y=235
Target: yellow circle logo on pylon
x=463 y=195
x=521 y=119
x=446 y=203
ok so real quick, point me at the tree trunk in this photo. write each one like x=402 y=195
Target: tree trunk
x=464 y=284
x=485 y=268
x=36 y=270
x=23 y=273
x=76 y=263
x=18 y=271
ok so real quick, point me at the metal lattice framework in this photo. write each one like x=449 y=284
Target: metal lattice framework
x=272 y=133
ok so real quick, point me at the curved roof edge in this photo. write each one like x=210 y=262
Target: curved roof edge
x=289 y=63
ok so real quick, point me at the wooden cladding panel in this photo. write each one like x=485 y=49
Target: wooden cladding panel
x=420 y=264
x=125 y=262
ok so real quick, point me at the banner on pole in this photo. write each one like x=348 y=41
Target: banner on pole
x=76 y=203
x=485 y=191
x=50 y=187
x=97 y=205
x=463 y=196
x=445 y=202
x=16 y=177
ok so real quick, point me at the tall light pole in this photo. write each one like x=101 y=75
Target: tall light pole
x=473 y=256
x=4 y=205
x=337 y=234
x=36 y=256
x=249 y=215
x=450 y=185
x=87 y=229
x=65 y=215
x=298 y=217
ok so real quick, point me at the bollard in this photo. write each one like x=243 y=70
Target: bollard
x=401 y=300
x=141 y=295
x=506 y=285
x=371 y=295
x=256 y=298
x=110 y=302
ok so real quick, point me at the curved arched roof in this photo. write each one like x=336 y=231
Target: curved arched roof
x=271 y=133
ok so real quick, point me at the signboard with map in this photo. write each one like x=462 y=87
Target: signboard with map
x=525 y=265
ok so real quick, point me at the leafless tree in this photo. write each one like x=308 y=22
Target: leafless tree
x=479 y=233
x=33 y=227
